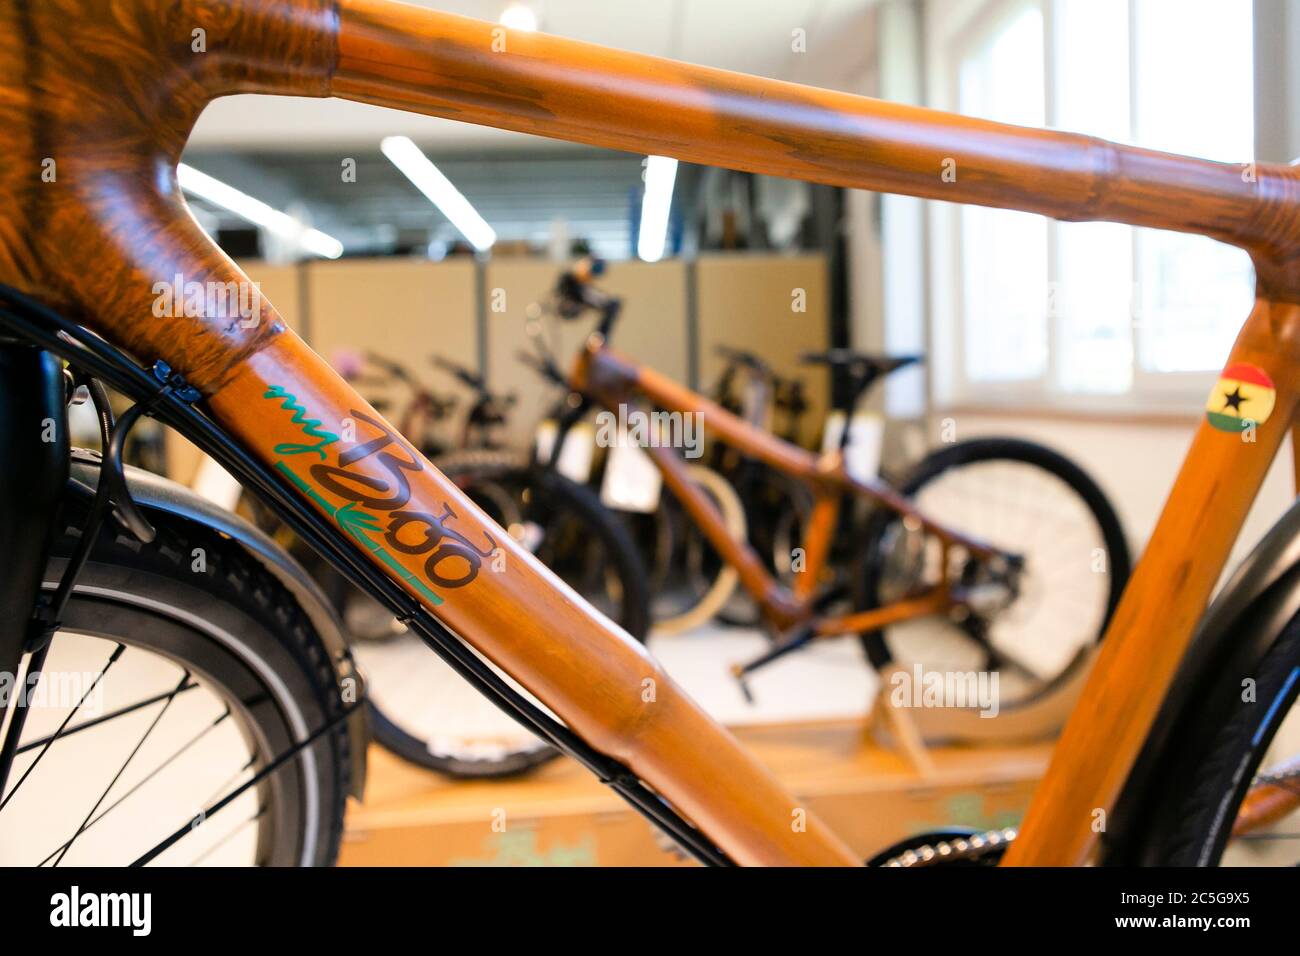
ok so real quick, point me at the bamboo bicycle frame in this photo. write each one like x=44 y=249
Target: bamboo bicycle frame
x=97 y=98
x=617 y=380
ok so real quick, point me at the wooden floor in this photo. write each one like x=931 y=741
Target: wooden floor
x=562 y=816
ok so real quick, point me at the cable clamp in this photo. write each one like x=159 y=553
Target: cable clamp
x=175 y=383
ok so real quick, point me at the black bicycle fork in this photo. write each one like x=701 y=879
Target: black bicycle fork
x=33 y=473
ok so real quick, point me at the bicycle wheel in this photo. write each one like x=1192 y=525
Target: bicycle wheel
x=656 y=535
x=1241 y=805
x=777 y=509
x=421 y=709
x=1027 y=500
x=703 y=582
x=182 y=668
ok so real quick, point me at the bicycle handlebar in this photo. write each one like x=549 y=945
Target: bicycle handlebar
x=544 y=366
x=575 y=294
x=393 y=368
x=465 y=375
x=745 y=358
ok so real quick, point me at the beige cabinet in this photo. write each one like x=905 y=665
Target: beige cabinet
x=409 y=310
x=776 y=306
x=404 y=309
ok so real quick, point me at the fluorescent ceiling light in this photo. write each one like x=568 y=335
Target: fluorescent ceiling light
x=519 y=16
x=407 y=157
x=660 y=177
x=257 y=212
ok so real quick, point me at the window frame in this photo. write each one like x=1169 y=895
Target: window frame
x=1151 y=393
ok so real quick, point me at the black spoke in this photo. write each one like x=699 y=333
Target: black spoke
x=157 y=770
x=207 y=814
x=46 y=328
x=261 y=812
x=185 y=677
x=221 y=788
x=120 y=712
x=18 y=715
x=117 y=652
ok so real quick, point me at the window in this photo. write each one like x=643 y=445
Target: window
x=1081 y=310
x=1193 y=93
x=1004 y=280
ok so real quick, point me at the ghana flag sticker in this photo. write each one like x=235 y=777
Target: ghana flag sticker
x=1242 y=397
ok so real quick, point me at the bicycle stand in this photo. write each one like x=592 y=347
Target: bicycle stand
x=901 y=725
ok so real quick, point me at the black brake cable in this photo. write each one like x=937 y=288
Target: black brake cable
x=51 y=612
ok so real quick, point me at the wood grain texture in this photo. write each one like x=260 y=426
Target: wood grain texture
x=107 y=92
x=448 y=66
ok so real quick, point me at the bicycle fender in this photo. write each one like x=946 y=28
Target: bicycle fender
x=153 y=492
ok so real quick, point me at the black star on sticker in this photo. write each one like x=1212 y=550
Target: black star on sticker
x=1234 y=400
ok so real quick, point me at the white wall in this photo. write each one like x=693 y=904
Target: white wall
x=1277 y=86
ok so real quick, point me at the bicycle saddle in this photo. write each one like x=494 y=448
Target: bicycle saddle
x=861 y=371
x=860 y=363
x=744 y=358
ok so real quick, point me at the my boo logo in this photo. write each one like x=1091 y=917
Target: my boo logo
x=75 y=908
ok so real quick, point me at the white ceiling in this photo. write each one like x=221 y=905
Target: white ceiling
x=752 y=36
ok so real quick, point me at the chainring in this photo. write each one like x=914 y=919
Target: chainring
x=951 y=847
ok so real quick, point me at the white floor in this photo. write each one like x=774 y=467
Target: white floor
x=825 y=680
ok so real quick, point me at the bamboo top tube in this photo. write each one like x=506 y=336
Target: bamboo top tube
x=418 y=60
x=97 y=98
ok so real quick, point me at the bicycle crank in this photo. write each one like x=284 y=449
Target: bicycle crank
x=801 y=636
